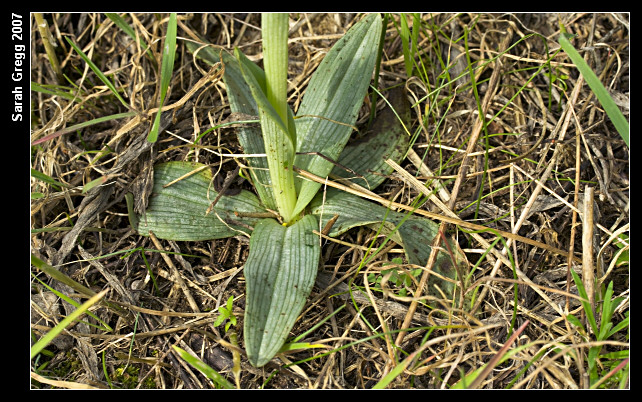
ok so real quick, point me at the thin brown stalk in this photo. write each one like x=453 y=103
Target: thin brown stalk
x=535 y=193
x=177 y=278
x=432 y=215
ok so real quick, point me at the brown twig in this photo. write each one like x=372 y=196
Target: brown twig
x=432 y=215
x=176 y=275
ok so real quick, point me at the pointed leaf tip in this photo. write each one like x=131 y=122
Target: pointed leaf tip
x=280 y=272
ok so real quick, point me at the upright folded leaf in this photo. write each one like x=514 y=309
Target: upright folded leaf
x=279 y=274
x=242 y=102
x=331 y=102
x=279 y=136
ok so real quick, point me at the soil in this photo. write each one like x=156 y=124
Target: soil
x=489 y=170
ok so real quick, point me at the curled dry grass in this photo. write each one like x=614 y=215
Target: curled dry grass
x=486 y=172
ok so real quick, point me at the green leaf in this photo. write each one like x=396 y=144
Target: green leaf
x=332 y=100
x=98 y=73
x=279 y=274
x=74 y=303
x=55 y=331
x=279 y=137
x=585 y=304
x=619 y=326
x=607 y=312
x=94 y=183
x=274 y=29
x=47 y=179
x=82 y=125
x=255 y=79
x=241 y=102
x=414 y=234
x=178 y=212
x=405 y=41
x=388 y=139
x=611 y=108
x=575 y=321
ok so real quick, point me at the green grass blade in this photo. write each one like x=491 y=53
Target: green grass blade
x=55 y=331
x=612 y=110
x=618 y=327
x=54 y=90
x=47 y=179
x=94 y=183
x=399 y=368
x=167 y=68
x=98 y=73
x=60 y=277
x=71 y=301
x=406 y=45
x=607 y=312
x=585 y=304
x=203 y=368
x=575 y=321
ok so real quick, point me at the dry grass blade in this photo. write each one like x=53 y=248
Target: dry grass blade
x=505 y=137
x=500 y=353
x=439 y=217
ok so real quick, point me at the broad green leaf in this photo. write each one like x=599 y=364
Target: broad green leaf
x=279 y=273
x=178 y=212
x=414 y=234
x=388 y=139
x=332 y=100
